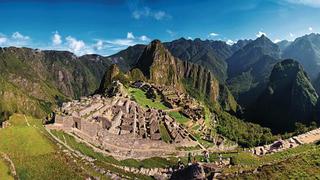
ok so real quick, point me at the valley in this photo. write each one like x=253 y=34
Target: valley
x=159 y=116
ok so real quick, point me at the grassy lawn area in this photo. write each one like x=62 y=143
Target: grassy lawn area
x=165 y=136
x=301 y=163
x=142 y=99
x=33 y=155
x=179 y=117
x=247 y=161
x=4 y=171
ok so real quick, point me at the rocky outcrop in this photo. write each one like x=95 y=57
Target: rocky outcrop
x=192 y=172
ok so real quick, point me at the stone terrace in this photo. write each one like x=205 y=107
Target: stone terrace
x=306 y=138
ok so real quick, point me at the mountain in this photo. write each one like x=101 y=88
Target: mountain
x=208 y=53
x=249 y=68
x=157 y=65
x=283 y=45
x=127 y=58
x=34 y=81
x=306 y=50
x=288 y=98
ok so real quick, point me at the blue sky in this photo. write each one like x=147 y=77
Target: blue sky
x=107 y=26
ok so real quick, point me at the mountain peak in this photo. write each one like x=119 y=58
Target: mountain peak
x=288 y=98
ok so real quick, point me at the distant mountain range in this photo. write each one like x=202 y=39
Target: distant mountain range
x=34 y=81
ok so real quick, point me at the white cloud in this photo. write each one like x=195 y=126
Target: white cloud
x=213 y=34
x=76 y=46
x=260 y=33
x=130 y=35
x=310 y=29
x=311 y=3
x=276 y=40
x=291 y=34
x=144 y=38
x=19 y=36
x=121 y=42
x=147 y=12
x=56 y=39
x=189 y=38
x=99 y=45
x=230 y=42
x=3 y=39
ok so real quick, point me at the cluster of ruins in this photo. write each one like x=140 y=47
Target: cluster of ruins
x=173 y=98
x=280 y=145
x=120 y=124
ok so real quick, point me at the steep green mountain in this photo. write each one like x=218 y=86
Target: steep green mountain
x=34 y=81
x=249 y=68
x=306 y=50
x=157 y=65
x=288 y=98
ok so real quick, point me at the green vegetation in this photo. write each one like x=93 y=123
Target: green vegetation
x=141 y=98
x=180 y=118
x=302 y=162
x=32 y=154
x=244 y=133
x=165 y=136
x=5 y=171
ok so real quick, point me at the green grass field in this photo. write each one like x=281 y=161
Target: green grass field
x=4 y=171
x=34 y=156
x=142 y=99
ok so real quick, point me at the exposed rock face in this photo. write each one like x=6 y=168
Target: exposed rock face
x=158 y=65
x=288 y=98
x=192 y=172
x=250 y=67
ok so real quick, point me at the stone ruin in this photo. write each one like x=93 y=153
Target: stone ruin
x=119 y=121
x=280 y=145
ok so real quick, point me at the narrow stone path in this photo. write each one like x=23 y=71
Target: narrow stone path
x=26 y=120
x=13 y=171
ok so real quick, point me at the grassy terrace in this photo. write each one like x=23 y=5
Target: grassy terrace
x=34 y=156
x=308 y=155
x=155 y=162
x=140 y=97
